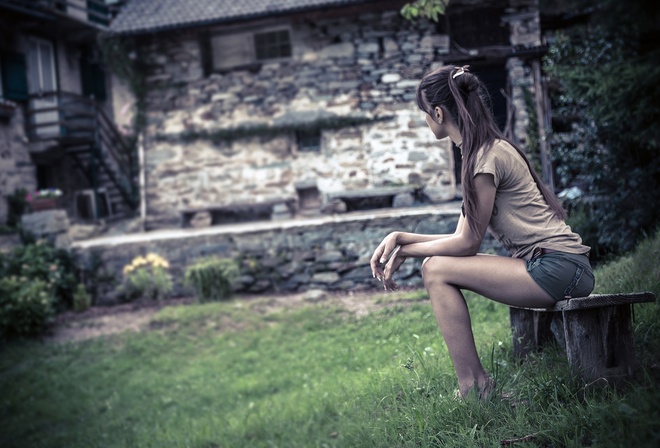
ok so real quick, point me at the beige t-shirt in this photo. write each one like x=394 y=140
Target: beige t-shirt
x=522 y=220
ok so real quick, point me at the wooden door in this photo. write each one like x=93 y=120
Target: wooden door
x=43 y=81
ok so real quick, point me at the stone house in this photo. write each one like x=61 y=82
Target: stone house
x=57 y=126
x=294 y=107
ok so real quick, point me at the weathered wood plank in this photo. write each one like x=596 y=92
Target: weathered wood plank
x=599 y=343
x=597 y=301
x=369 y=192
x=237 y=211
x=597 y=333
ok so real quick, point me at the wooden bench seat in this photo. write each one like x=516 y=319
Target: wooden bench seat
x=238 y=211
x=596 y=332
x=369 y=198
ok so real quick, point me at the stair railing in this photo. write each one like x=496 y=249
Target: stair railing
x=74 y=121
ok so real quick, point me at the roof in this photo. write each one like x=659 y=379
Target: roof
x=149 y=16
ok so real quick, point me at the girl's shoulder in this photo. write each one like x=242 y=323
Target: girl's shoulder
x=500 y=150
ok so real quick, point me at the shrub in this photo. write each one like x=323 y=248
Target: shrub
x=16 y=206
x=212 y=277
x=26 y=306
x=81 y=298
x=146 y=277
x=40 y=260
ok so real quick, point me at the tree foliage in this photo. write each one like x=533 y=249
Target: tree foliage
x=430 y=9
x=608 y=77
x=609 y=91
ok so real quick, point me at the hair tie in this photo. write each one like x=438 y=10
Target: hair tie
x=460 y=71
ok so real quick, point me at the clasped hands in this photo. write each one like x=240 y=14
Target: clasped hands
x=386 y=260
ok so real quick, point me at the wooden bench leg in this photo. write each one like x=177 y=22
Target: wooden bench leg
x=531 y=331
x=599 y=343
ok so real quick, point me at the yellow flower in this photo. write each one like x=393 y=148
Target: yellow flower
x=157 y=261
x=139 y=261
x=161 y=264
x=128 y=269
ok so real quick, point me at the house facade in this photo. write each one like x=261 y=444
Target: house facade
x=308 y=106
x=57 y=126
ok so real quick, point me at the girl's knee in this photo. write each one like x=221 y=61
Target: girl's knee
x=432 y=268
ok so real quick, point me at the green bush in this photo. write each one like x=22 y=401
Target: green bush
x=16 y=205
x=146 y=277
x=26 y=306
x=605 y=141
x=81 y=299
x=212 y=277
x=40 y=260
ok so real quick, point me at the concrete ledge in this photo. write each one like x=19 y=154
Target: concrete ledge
x=447 y=209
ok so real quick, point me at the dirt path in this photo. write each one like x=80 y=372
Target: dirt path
x=99 y=321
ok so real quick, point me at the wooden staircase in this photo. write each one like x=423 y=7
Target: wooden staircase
x=105 y=157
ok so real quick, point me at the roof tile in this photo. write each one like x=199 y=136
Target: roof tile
x=148 y=16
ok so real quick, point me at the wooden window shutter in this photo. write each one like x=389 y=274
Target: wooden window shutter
x=14 y=76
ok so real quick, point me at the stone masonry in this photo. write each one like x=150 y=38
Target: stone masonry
x=327 y=252
x=229 y=136
x=361 y=69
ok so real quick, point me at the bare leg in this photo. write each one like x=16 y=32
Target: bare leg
x=499 y=278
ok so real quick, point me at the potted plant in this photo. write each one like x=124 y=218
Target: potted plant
x=45 y=199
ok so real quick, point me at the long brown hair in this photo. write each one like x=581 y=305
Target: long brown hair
x=465 y=98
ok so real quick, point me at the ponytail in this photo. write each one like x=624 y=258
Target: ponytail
x=466 y=99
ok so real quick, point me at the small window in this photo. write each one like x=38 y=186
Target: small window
x=309 y=141
x=242 y=49
x=479 y=28
x=14 y=77
x=272 y=45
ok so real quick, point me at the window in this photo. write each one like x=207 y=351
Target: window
x=13 y=77
x=309 y=141
x=272 y=45
x=479 y=28
x=229 y=51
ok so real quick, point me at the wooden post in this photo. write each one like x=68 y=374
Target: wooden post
x=541 y=116
x=531 y=331
x=597 y=334
x=142 y=183
x=599 y=343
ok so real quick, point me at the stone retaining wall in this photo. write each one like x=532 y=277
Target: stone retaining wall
x=330 y=252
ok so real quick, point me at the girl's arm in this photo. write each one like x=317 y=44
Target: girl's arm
x=391 y=242
x=464 y=242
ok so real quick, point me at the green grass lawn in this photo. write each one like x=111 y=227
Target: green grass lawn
x=231 y=375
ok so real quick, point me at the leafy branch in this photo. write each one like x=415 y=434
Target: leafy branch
x=430 y=9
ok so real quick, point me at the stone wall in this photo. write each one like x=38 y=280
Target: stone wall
x=329 y=252
x=352 y=77
x=16 y=168
x=229 y=136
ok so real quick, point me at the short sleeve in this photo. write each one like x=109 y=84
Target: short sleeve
x=488 y=164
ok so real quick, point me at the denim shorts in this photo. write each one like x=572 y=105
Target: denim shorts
x=562 y=275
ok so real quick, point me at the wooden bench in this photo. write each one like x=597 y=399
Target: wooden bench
x=596 y=332
x=239 y=211
x=369 y=198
